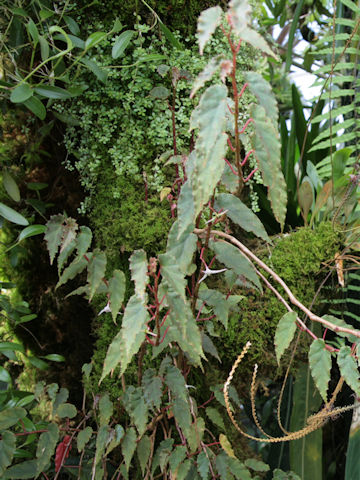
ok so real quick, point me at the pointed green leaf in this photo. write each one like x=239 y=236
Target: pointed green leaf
x=241 y=214
x=139 y=270
x=24 y=470
x=218 y=301
x=100 y=73
x=240 y=17
x=266 y=144
x=33 y=31
x=102 y=440
x=264 y=94
x=209 y=347
x=94 y=39
x=105 y=408
x=117 y=285
x=349 y=369
x=134 y=403
x=215 y=417
x=36 y=107
x=238 y=469
x=256 y=465
x=186 y=208
x=70 y=272
x=56 y=93
x=143 y=452
x=172 y=274
x=11 y=215
x=171 y=37
x=128 y=341
x=54 y=234
x=208 y=21
x=207 y=73
x=115 y=436
x=153 y=388
x=183 y=470
x=203 y=465
x=46 y=446
x=320 y=365
x=83 y=241
x=83 y=438
x=10 y=186
x=177 y=456
x=21 y=93
x=284 y=334
x=231 y=257
x=10 y=416
x=122 y=43
x=183 y=246
x=31 y=231
x=339 y=322
x=226 y=445
x=7 y=450
x=96 y=271
x=66 y=410
x=128 y=446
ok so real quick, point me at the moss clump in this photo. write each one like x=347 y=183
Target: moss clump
x=298 y=259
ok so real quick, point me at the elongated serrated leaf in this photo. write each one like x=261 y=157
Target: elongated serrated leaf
x=218 y=301
x=10 y=416
x=176 y=457
x=208 y=21
x=115 y=436
x=182 y=247
x=206 y=74
x=215 y=417
x=105 y=409
x=284 y=334
x=231 y=257
x=70 y=272
x=185 y=208
x=264 y=94
x=266 y=144
x=128 y=446
x=7 y=450
x=102 y=439
x=153 y=388
x=203 y=465
x=96 y=271
x=256 y=465
x=139 y=268
x=320 y=365
x=238 y=469
x=209 y=347
x=224 y=442
x=128 y=341
x=54 y=234
x=10 y=186
x=24 y=470
x=241 y=214
x=122 y=43
x=349 y=369
x=240 y=17
x=143 y=452
x=136 y=407
x=339 y=322
x=46 y=446
x=12 y=215
x=31 y=231
x=83 y=241
x=172 y=274
x=117 y=285
x=83 y=438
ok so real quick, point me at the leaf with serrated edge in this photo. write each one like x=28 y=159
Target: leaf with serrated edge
x=240 y=18
x=54 y=234
x=339 y=322
x=10 y=416
x=128 y=446
x=83 y=241
x=96 y=271
x=143 y=452
x=208 y=21
x=183 y=246
x=70 y=272
x=177 y=456
x=241 y=214
x=266 y=143
x=224 y=442
x=215 y=417
x=284 y=334
x=83 y=438
x=349 y=369
x=185 y=209
x=105 y=408
x=206 y=74
x=135 y=405
x=46 y=446
x=117 y=285
x=27 y=469
x=256 y=465
x=209 y=347
x=231 y=257
x=320 y=366
x=139 y=268
x=264 y=94
x=129 y=339
x=153 y=388
x=203 y=465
